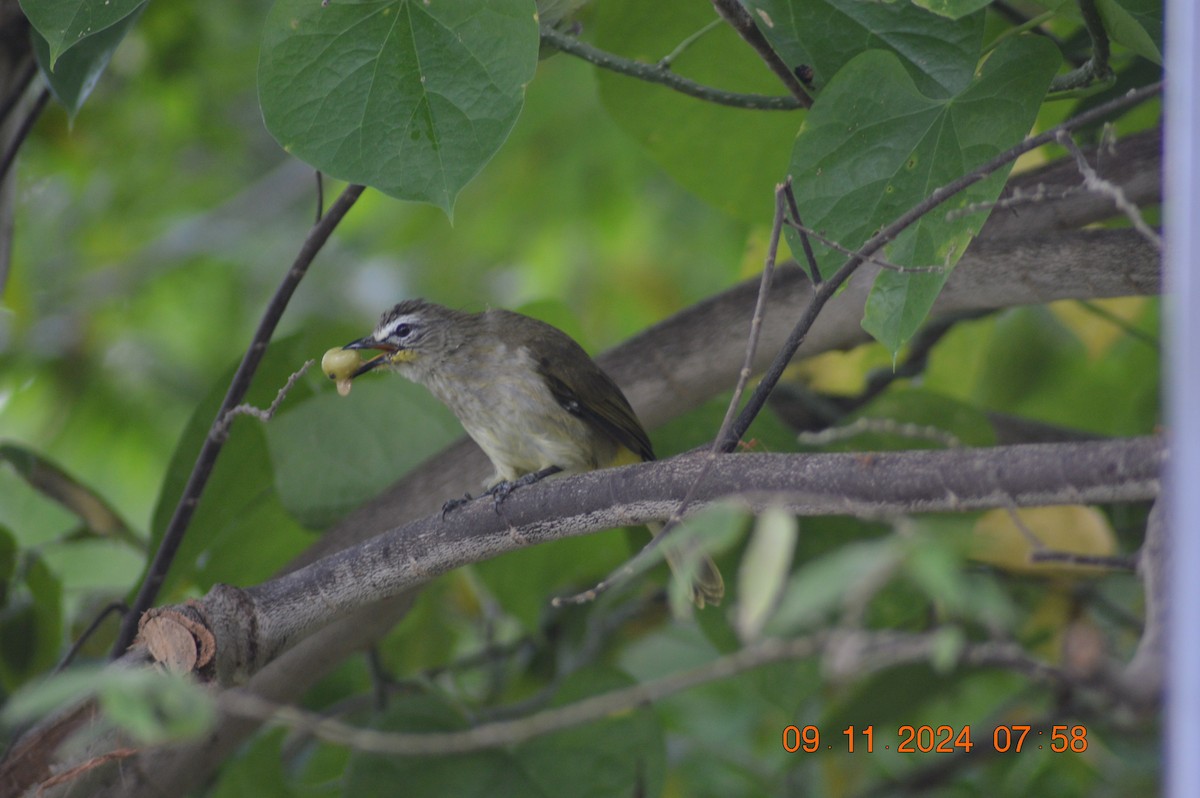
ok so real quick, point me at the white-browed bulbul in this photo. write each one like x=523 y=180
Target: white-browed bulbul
x=525 y=391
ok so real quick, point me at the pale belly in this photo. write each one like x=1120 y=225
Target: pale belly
x=522 y=428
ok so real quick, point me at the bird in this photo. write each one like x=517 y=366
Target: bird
x=526 y=392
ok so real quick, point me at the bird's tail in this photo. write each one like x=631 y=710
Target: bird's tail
x=707 y=585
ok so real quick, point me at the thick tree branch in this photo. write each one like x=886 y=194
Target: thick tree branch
x=253 y=626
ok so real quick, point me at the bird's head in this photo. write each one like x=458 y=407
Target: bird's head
x=413 y=333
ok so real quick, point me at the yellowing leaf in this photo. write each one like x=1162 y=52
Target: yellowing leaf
x=1074 y=528
x=1097 y=333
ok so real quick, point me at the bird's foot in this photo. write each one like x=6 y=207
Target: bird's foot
x=500 y=491
x=453 y=504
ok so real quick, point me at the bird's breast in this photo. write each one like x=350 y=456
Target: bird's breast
x=504 y=405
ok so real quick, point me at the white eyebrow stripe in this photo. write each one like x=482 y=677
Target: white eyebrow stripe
x=389 y=327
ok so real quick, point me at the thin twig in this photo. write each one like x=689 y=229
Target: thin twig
x=668 y=59
x=807 y=232
x=266 y=415
x=1095 y=183
x=885 y=426
x=1041 y=193
x=856 y=653
x=648 y=552
x=73 y=651
x=653 y=73
x=214 y=441
x=814 y=271
x=1116 y=562
x=1121 y=324
x=19 y=87
x=1096 y=68
x=22 y=133
x=733 y=12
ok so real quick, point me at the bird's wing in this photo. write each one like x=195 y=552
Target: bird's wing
x=586 y=392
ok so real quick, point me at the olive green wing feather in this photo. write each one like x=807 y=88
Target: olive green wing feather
x=586 y=392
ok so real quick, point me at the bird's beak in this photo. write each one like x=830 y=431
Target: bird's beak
x=379 y=360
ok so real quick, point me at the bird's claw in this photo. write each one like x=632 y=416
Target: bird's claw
x=499 y=492
x=453 y=504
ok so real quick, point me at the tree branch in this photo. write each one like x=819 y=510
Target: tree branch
x=859 y=655
x=733 y=12
x=215 y=440
x=1096 y=68
x=657 y=73
x=253 y=626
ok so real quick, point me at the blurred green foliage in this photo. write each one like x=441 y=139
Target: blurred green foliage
x=154 y=219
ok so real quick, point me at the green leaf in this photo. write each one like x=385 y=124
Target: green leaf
x=763 y=572
x=1025 y=362
x=152 y=706
x=31 y=623
x=953 y=9
x=411 y=98
x=329 y=454
x=622 y=754
x=155 y=707
x=1137 y=24
x=821 y=585
x=56 y=484
x=730 y=157
x=873 y=146
x=256 y=769
x=73 y=75
x=524 y=581
x=8 y=562
x=240 y=532
x=66 y=24
x=939 y=54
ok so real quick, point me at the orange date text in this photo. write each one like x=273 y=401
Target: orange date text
x=929 y=739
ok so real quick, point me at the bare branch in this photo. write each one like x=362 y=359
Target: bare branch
x=740 y=20
x=659 y=73
x=857 y=655
x=267 y=414
x=214 y=441
x=1093 y=182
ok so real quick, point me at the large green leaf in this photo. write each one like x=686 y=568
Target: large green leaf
x=411 y=98
x=67 y=23
x=73 y=75
x=329 y=453
x=1137 y=24
x=954 y=9
x=874 y=145
x=240 y=532
x=730 y=157
x=939 y=54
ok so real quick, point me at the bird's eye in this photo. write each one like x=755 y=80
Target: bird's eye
x=402 y=330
